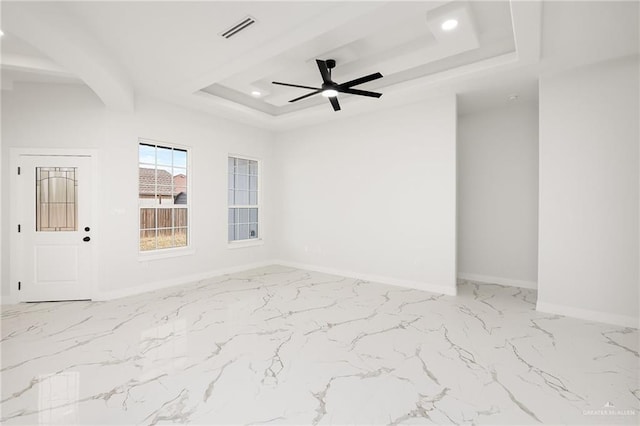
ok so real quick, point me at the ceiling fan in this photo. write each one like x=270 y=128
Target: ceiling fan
x=330 y=89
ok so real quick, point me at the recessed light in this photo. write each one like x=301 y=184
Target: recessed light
x=329 y=93
x=449 y=24
x=1 y=33
x=255 y=94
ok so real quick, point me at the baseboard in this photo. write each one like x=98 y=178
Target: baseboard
x=498 y=280
x=418 y=285
x=187 y=279
x=585 y=314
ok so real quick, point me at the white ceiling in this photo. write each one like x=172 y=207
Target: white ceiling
x=170 y=44
x=578 y=32
x=173 y=50
x=23 y=63
x=12 y=45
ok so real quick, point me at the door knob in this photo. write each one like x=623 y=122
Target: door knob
x=86 y=239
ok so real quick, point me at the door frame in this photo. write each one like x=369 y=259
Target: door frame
x=14 y=257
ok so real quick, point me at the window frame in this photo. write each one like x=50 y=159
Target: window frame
x=163 y=253
x=250 y=242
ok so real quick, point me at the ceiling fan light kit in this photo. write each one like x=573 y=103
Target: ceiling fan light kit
x=329 y=93
x=330 y=88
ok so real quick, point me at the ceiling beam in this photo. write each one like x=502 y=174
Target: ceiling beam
x=13 y=61
x=55 y=33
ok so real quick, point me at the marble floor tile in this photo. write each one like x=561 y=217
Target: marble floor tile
x=278 y=345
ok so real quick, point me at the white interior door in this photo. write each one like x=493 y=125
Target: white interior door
x=54 y=214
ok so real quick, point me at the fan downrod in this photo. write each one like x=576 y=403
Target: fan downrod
x=331 y=63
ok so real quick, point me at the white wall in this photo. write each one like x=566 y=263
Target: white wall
x=589 y=192
x=498 y=195
x=373 y=195
x=70 y=116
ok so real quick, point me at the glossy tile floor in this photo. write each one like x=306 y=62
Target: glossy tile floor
x=286 y=346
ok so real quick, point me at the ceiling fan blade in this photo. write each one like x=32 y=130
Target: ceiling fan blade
x=295 y=85
x=360 y=80
x=324 y=70
x=306 y=96
x=359 y=92
x=334 y=103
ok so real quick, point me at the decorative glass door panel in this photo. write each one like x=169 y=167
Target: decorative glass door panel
x=56 y=199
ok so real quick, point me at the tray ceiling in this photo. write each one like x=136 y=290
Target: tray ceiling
x=402 y=40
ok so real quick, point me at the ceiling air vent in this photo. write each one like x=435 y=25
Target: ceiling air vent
x=242 y=25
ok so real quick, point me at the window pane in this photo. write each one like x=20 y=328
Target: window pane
x=241 y=198
x=253 y=230
x=253 y=167
x=243 y=232
x=244 y=216
x=242 y=182
x=70 y=191
x=253 y=198
x=165 y=157
x=180 y=237
x=180 y=158
x=231 y=163
x=165 y=238
x=57 y=187
x=165 y=218
x=179 y=181
x=253 y=215
x=164 y=196
x=164 y=178
x=231 y=233
x=179 y=186
x=147 y=240
x=180 y=198
x=232 y=216
x=253 y=183
x=147 y=154
x=242 y=166
x=57 y=217
x=180 y=218
x=147 y=218
x=147 y=181
x=230 y=198
x=231 y=181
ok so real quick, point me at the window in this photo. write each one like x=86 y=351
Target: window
x=243 y=195
x=162 y=196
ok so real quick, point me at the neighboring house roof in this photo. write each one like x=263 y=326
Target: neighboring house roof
x=148 y=182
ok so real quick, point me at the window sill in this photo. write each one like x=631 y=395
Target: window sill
x=165 y=254
x=245 y=243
